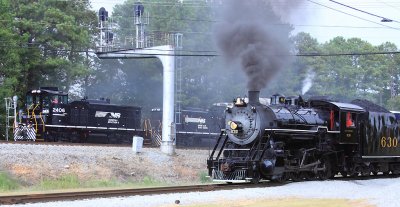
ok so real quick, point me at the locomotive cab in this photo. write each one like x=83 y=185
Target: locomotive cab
x=44 y=106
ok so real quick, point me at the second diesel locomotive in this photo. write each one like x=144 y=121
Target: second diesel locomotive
x=194 y=127
x=294 y=139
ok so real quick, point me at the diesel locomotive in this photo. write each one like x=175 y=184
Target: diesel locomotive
x=48 y=116
x=296 y=139
x=194 y=127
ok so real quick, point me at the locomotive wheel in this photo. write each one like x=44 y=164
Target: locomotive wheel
x=256 y=178
x=353 y=174
x=366 y=171
x=305 y=175
x=343 y=173
x=327 y=173
x=373 y=169
x=355 y=171
x=296 y=177
x=281 y=178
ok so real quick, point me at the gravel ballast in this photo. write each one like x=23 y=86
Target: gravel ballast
x=32 y=163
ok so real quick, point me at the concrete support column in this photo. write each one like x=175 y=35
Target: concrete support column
x=168 y=127
x=166 y=55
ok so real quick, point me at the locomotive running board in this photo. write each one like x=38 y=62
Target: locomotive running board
x=89 y=127
x=380 y=156
x=197 y=133
x=302 y=130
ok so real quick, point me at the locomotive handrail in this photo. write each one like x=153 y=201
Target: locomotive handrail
x=267 y=143
x=91 y=127
x=303 y=130
x=300 y=116
x=257 y=142
x=217 y=143
x=34 y=117
x=145 y=127
x=222 y=147
x=27 y=111
x=41 y=118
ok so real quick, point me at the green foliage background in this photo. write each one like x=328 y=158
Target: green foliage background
x=48 y=43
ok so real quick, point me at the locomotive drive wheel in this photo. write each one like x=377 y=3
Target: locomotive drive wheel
x=256 y=178
x=296 y=177
x=281 y=178
x=327 y=173
x=307 y=175
x=373 y=169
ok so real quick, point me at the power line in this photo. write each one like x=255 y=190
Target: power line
x=297 y=55
x=353 y=15
x=189 y=53
x=347 y=54
x=390 y=5
x=384 y=19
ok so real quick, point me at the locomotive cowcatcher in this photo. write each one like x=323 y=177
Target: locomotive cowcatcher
x=296 y=139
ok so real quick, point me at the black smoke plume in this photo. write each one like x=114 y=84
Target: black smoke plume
x=253 y=36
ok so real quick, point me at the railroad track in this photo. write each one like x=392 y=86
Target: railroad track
x=17 y=198
x=66 y=144
x=62 y=196
x=91 y=144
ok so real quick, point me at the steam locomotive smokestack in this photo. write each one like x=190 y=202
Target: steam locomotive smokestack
x=254 y=97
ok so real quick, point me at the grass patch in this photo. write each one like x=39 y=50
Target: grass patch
x=73 y=182
x=150 y=182
x=203 y=177
x=65 y=182
x=7 y=183
x=289 y=202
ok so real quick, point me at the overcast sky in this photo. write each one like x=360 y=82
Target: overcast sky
x=325 y=23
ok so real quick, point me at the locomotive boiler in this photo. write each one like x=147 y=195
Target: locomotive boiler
x=296 y=139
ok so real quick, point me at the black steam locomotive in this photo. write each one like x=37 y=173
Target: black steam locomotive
x=296 y=139
x=49 y=117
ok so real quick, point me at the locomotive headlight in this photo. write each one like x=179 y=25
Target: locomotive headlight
x=233 y=125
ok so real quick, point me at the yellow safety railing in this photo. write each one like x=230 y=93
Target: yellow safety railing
x=43 y=125
x=147 y=127
x=34 y=117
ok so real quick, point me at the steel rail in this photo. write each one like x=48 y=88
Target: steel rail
x=16 y=198
x=86 y=144
x=66 y=144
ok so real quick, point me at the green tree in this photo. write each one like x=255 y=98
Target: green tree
x=10 y=57
x=56 y=35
